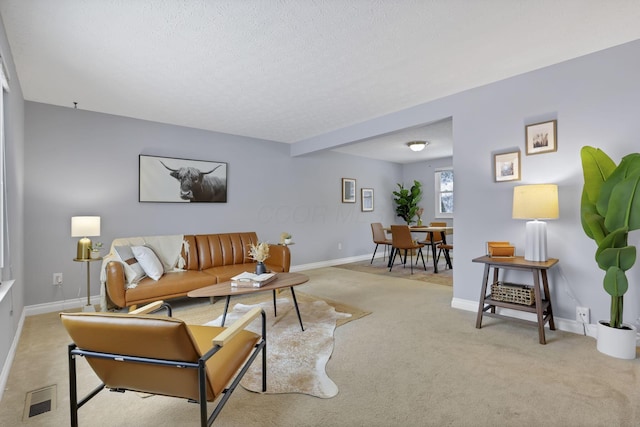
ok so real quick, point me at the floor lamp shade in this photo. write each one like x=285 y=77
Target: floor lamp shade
x=84 y=226
x=535 y=202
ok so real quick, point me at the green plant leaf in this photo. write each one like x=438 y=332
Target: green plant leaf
x=614 y=251
x=615 y=282
x=624 y=204
x=624 y=258
x=592 y=221
x=596 y=167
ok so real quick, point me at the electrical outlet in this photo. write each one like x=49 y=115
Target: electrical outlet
x=57 y=279
x=582 y=314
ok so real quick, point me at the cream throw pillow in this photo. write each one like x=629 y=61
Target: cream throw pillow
x=132 y=269
x=149 y=261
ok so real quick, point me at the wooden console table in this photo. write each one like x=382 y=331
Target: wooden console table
x=541 y=307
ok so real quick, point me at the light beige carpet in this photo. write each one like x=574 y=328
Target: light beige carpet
x=198 y=312
x=413 y=362
x=400 y=271
x=296 y=359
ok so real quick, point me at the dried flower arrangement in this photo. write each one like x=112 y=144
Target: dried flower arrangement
x=259 y=252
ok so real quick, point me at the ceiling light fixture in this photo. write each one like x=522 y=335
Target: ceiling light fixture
x=417 y=145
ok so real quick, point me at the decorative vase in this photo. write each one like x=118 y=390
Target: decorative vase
x=261 y=268
x=620 y=343
x=419 y=222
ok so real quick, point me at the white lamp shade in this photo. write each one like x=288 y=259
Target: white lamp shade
x=538 y=201
x=84 y=226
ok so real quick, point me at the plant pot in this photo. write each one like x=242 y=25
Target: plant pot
x=620 y=343
x=261 y=268
x=94 y=254
x=287 y=241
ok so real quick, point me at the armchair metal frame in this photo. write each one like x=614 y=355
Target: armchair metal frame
x=199 y=365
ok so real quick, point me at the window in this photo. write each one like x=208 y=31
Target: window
x=444 y=193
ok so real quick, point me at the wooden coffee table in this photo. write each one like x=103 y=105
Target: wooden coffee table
x=224 y=289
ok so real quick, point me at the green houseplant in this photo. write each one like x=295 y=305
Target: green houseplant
x=407 y=200
x=610 y=209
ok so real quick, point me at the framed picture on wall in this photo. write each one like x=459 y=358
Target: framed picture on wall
x=507 y=166
x=366 y=195
x=348 y=190
x=174 y=180
x=541 y=137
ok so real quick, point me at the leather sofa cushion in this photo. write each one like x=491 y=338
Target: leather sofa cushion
x=172 y=285
x=216 y=250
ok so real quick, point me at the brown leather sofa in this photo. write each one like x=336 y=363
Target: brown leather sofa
x=209 y=259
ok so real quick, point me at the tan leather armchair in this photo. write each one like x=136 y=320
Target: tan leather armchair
x=161 y=355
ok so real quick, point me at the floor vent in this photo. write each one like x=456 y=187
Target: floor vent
x=39 y=402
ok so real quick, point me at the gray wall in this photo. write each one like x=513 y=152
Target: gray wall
x=12 y=305
x=595 y=100
x=85 y=163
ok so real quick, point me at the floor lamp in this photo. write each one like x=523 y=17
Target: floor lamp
x=535 y=202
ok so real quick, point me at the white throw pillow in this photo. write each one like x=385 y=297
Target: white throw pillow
x=132 y=269
x=149 y=261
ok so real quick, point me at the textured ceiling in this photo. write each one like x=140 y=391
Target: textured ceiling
x=288 y=70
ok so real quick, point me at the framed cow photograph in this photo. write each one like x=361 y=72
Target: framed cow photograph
x=174 y=180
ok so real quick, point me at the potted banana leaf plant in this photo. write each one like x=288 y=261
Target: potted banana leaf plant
x=407 y=200
x=610 y=209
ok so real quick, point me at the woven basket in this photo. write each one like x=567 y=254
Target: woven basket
x=512 y=292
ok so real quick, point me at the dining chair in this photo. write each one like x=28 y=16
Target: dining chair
x=379 y=238
x=438 y=237
x=401 y=240
x=445 y=249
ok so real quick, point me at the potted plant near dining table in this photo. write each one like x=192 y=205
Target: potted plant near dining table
x=407 y=200
x=609 y=210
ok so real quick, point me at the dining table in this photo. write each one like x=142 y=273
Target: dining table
x=430 y=230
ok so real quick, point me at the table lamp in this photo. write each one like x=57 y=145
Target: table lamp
x=535 y=202
x=83 y=226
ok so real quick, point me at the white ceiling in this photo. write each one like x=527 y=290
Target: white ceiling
x=288 y=70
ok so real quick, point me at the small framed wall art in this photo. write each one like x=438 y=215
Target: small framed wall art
x=366 y=195
x=174 y=180
x=348 y=190
x=541 y=137
x=507 y=166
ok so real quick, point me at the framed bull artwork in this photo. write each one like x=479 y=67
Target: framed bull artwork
x=172 y=180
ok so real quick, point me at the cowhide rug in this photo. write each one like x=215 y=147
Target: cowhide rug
x=296 y=359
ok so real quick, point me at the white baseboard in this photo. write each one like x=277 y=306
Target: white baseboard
x=68 y=304
x=566 y=325
x=329 y=263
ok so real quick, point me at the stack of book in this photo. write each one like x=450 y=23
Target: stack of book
x=251 y=280
x=500 y=250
